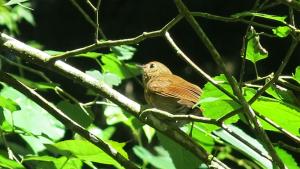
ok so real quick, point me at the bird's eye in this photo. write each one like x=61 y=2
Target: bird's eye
x=152 y=65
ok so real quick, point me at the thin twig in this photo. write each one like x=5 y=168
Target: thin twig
x=97 y=20
x=229 y=19
x=84 y=14
x=291 y=3
x=289 y=85
x=111 y=43
x=288 y=147
x=188 y=117
x=29 y=69
x=182 y=55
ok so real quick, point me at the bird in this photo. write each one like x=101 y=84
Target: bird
x=168 y=92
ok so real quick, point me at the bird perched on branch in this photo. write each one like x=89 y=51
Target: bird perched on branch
x=168 y=92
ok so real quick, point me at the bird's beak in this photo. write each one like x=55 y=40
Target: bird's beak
x=140 y=66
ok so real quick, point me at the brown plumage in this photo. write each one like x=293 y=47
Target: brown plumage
x=166 y=91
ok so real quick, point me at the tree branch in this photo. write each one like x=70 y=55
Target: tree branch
x=129 y=41
x=58 y=114
x=182 y=55
x=40 y=58
x=248 y=111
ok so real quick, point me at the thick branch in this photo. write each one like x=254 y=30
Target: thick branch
x=40 y=58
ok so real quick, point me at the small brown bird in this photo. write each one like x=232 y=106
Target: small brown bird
x=168 y=92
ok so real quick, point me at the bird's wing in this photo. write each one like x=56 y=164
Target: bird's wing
x=175 y=87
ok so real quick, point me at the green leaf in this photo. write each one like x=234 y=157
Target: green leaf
x=14 y=2
x=54 y=163
x=111 y=64
x=108 y=78
x=261 y=15
x=288 y=159
x=41 y=86
x=243 y=147
x=104 y=134
x=202 y=135
x=283 y=94
x=53 y=52
x=215 y=103
x=282 y=31
x=92 y=55
x=255 y=51
x=76 y=113
x=124 y=52
x=23 y=11
x=114 y=114
x=9 y=104
x=31 y=118
x=86 y=151
x=149 y=132
x=10 y=164
x=297 y=74
x=284 y=114
x=160 y=160
x=8 y=20
x=6 y=120
x=181 y=157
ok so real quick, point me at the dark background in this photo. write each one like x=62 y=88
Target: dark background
x=59 y=26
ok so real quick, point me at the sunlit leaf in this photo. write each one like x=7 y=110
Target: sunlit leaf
x=202 y=134
x=9 y=104
x=41 y=86
x=282 y=31
x=124 y=52
x=53 y=52
x=92 y=55
x=283 y=94
x=160 y=160
x=24 y=12
x=261 y=15
x=10 y=164
x=114 y=115
x=241 y=146
x=287 y=158
x=111 y=64
x=181 y=157
x=54 y=163
x=34 y=119
x=215 y=103
x=297 y=74
x=149 y=132
x=108 y=78
x=255 y=51
x=287 y=116
x=14 y=2
x=86 y=151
